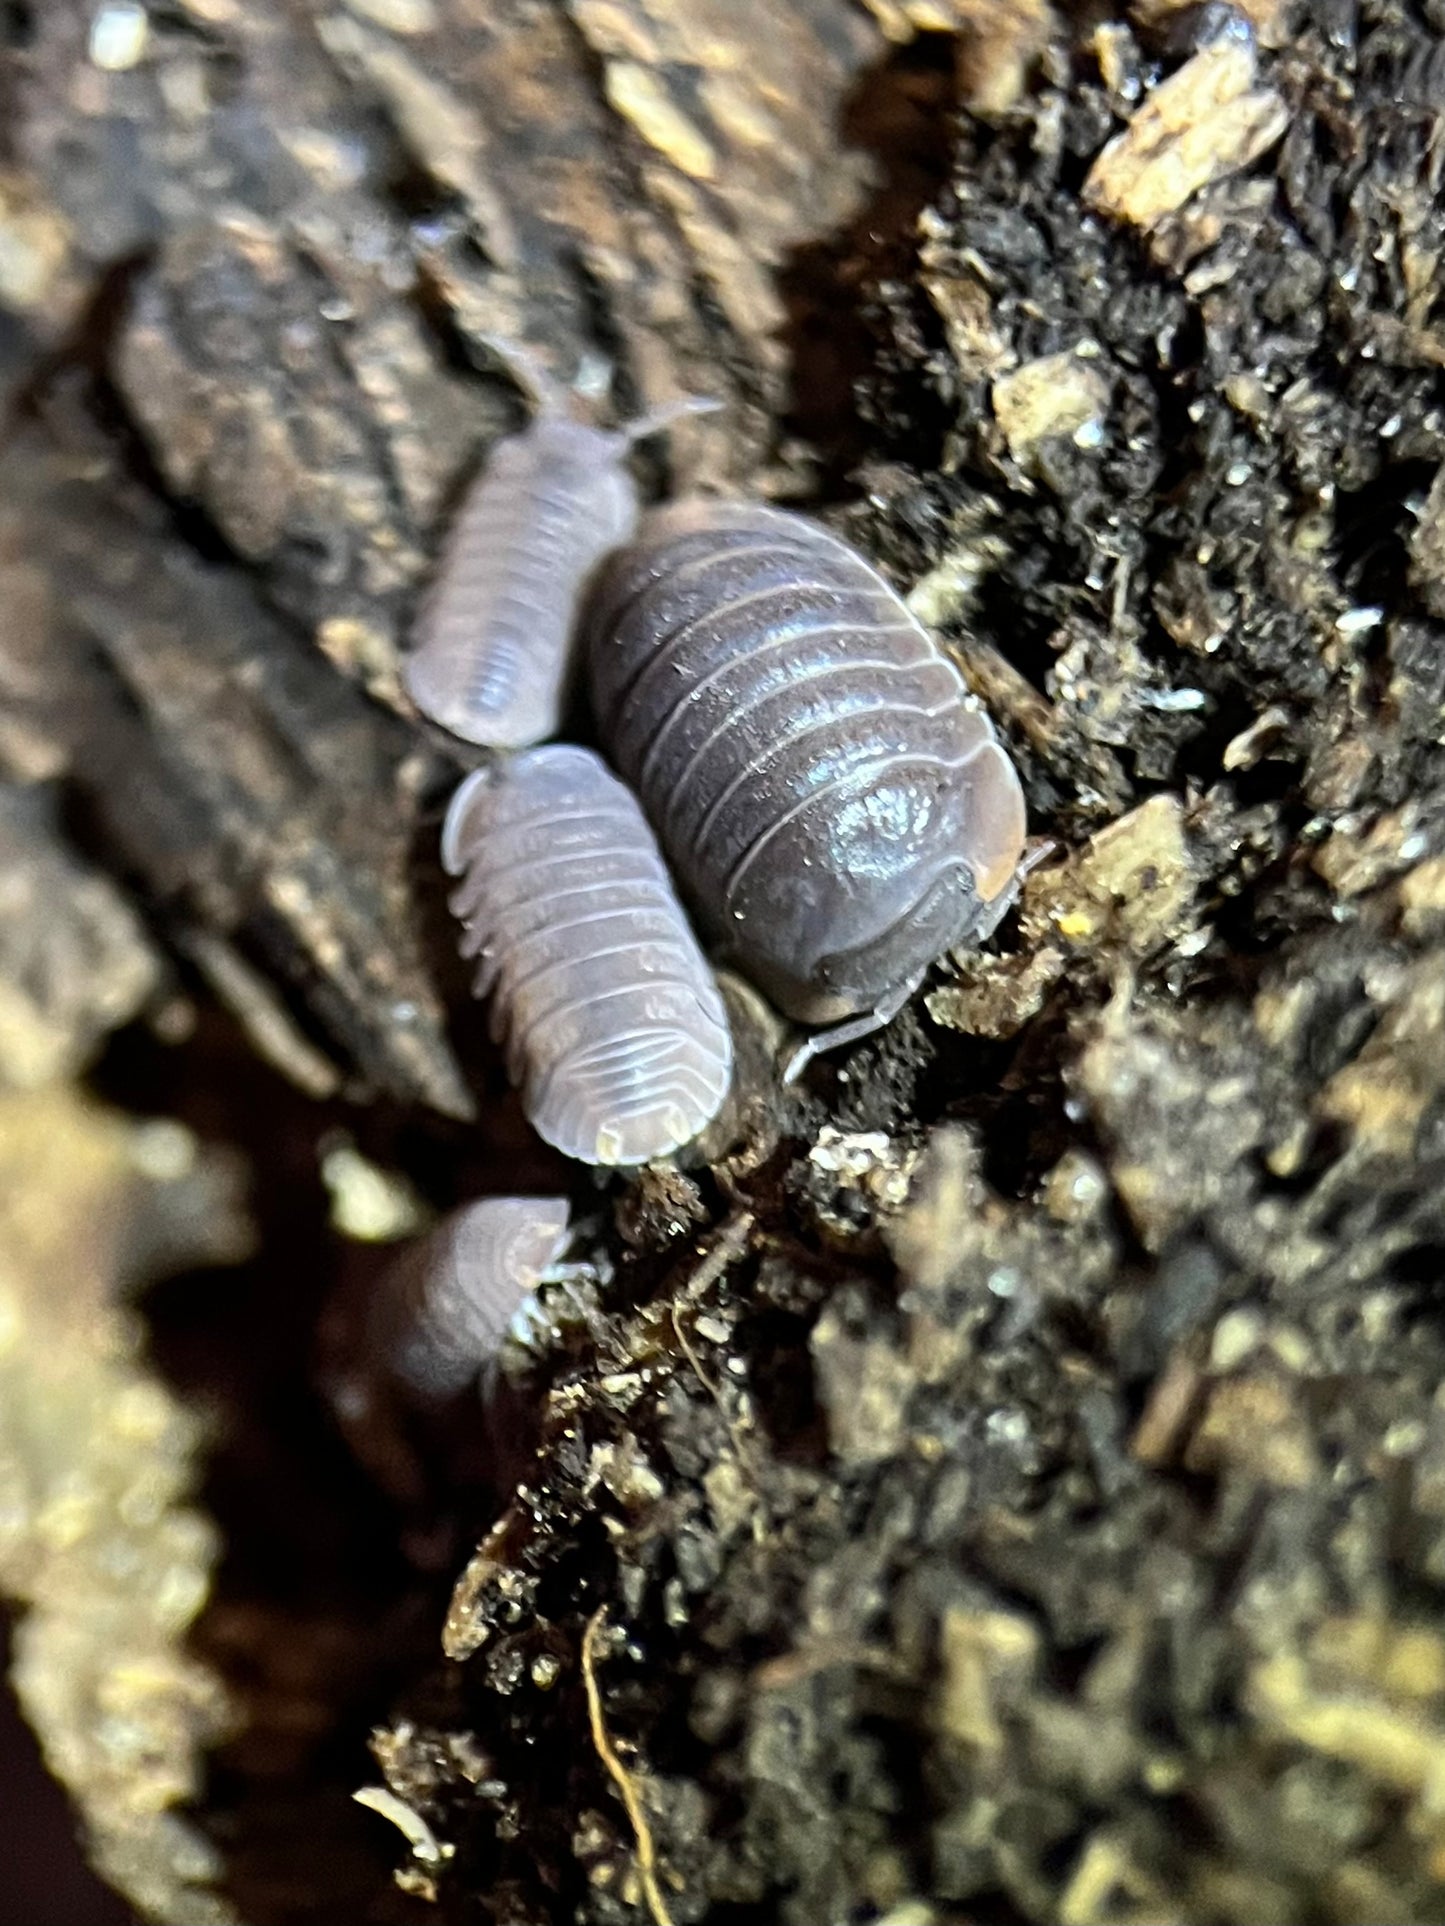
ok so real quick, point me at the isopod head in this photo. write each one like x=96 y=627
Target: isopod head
x=862 y=950
x=535 y=1235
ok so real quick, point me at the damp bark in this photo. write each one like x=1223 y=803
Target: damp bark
x=1002 y=1477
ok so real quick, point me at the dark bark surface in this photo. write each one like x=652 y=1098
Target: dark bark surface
x=1002 y=1478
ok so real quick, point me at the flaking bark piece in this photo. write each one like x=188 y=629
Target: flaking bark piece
x=1205 y=121
x=232 y=771
x=539 y=202
x=283 y=381
x=738 y=106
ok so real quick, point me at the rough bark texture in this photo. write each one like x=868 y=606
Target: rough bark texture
x=1005 y=1477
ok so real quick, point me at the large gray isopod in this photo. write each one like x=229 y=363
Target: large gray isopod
x=836 y=802
x=609 y=1016
x=443 y=1308
x=492 y=646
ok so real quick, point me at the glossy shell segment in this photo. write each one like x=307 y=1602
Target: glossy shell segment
x=835 y=801
x=609 y=1016
x=492 y=650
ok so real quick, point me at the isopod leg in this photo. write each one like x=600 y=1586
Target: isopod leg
x=569 y=1274
x=1038 y=851
x=853 y=1031
x=530 y=1324
x=666 y=414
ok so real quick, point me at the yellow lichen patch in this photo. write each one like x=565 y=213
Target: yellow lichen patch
x=1202 y=123
x=1077 y=924
x=1251 y=1425
x=1134 y=882
x=1359 y=856
x=988 y=1657
x=637 y=94
x=34 y=246
x=100 y=1548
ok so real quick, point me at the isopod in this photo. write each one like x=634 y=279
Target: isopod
x=608 y=1014
x=836 y=803
x=443 y=1308
x=492 y=644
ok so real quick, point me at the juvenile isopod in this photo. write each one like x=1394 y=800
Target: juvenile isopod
x=441 y=1311
x=608 y=1014
x=492 y=645
x=835 y=801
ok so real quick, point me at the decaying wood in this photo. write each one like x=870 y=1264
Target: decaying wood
x=249 y=788
x=1035 y=1509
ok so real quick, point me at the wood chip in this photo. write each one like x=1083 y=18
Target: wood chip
x=1204 y=122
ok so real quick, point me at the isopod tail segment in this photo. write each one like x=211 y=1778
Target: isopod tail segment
x=494 y=637
x=838 y=1035
x=419 y=1355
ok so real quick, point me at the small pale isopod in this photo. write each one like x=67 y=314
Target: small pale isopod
x=836 y=802
x=609 y=1016
x=444 y=1306
x=492 y=647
